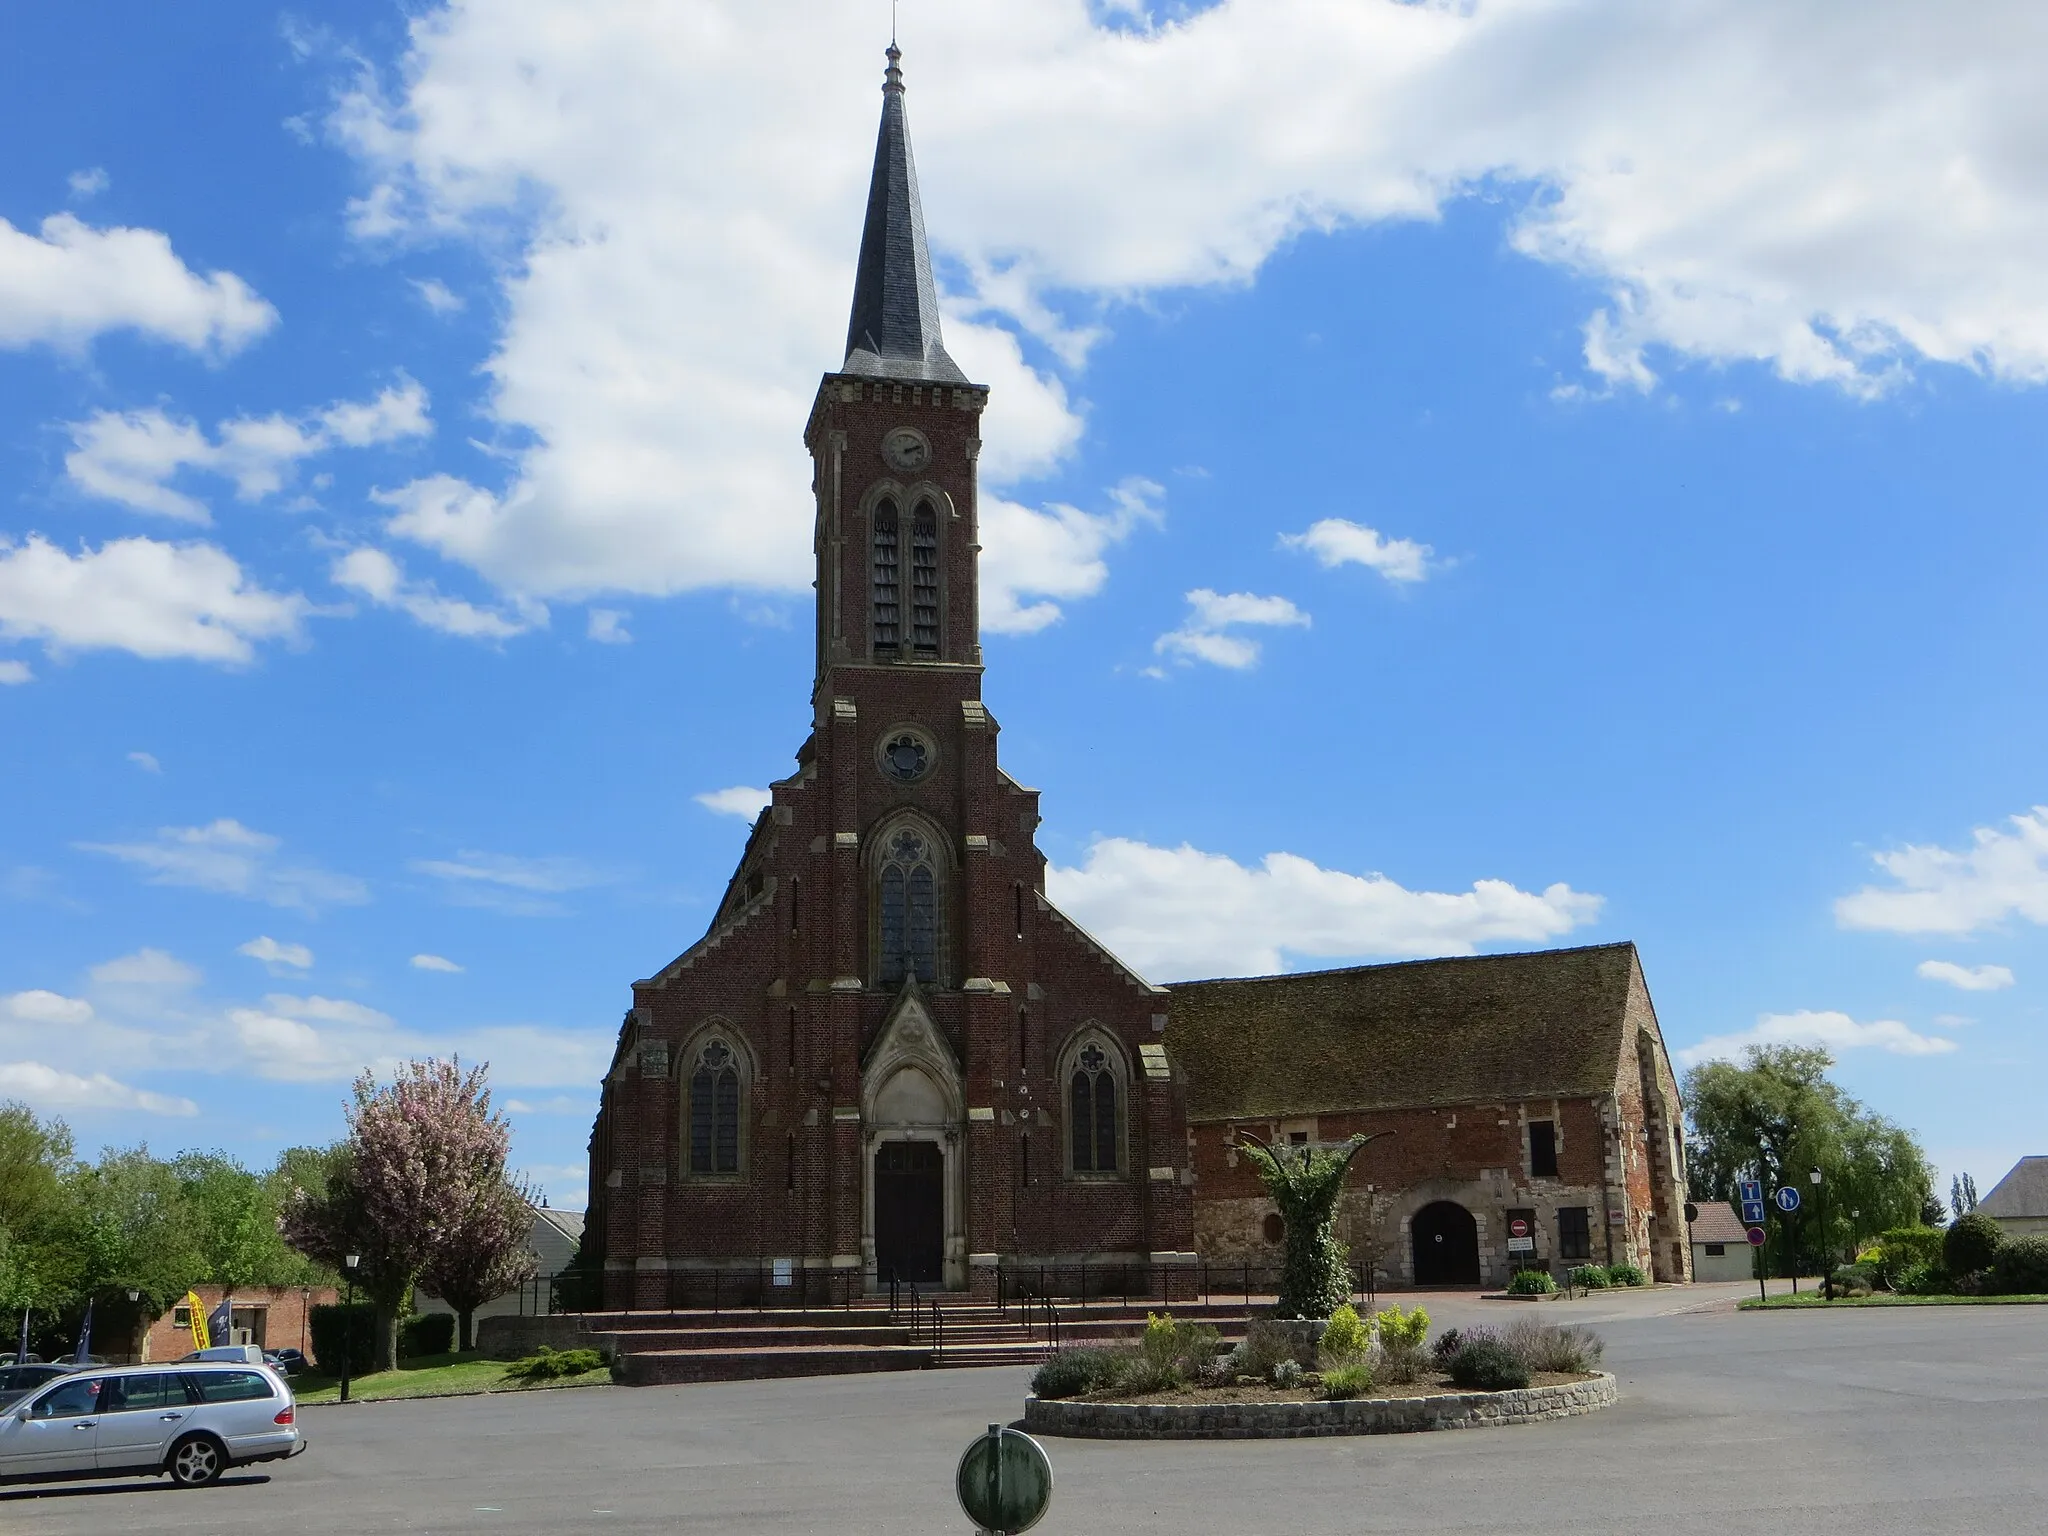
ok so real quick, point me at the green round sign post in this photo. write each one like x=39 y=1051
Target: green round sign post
x=1004 y=1481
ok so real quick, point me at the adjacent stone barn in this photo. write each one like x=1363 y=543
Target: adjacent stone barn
x=1529 y=1100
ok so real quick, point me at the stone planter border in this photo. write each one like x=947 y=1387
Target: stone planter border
x=1293 y=1421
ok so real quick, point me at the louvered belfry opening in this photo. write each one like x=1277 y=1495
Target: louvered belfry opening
x=924 y=580
x=887 y=581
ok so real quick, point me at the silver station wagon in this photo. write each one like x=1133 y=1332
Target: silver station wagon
x=190 y=1421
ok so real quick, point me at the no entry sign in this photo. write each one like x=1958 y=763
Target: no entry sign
x=1519 y=1227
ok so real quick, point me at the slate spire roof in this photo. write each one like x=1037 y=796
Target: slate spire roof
x=894 y=329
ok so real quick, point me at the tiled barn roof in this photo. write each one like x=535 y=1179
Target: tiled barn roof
x=1716 y=1223
x=1476 y=1029
x=2022 y=1193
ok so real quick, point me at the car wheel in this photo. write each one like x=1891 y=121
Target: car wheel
x=196 y=1461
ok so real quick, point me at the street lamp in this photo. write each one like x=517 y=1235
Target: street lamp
x=1827 y=1263
x=349 y=1261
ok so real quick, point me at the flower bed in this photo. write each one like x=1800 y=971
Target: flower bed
x=1255 y=1413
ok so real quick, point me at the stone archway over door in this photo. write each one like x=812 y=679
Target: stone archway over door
x=1446 y=1242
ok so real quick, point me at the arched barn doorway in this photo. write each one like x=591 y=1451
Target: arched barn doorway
x=1446 y=1245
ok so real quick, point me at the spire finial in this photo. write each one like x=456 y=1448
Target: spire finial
x=892 y=80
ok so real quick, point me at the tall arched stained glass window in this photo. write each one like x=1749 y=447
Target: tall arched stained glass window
x=1091 y=1112
x=715 y=1110
x=888 y=580
x=924 y=580
x=907 y=934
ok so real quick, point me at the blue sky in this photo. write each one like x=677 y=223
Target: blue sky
x=1459 y=478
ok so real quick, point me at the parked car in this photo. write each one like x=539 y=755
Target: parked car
x=286 y=1362
x=190 y=1421
x=17 y=1381
x=235 y=1354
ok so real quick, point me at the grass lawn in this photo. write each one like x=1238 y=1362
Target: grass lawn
x=1811 y=1301
x=431 y=1375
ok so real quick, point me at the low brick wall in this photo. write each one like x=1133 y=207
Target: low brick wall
x=1289 y=1421
x=514 y=1338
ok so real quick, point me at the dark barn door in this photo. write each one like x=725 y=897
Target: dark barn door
x=910 y=1211
x=1446 y=1245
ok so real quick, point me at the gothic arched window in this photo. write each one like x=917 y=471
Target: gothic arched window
x=714 y=1109
x=888 y=580
x=924 y=580
x=907 y=891
x=1093 y=1129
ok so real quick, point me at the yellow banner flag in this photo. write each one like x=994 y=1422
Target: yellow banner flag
x=197 y=1309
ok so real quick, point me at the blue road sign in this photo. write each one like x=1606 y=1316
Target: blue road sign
x=1788 y=1199
x=1752 y=1213
x=1747 y=1190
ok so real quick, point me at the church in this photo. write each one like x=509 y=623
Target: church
x=891 y=1056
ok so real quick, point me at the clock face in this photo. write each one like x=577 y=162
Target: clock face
x=906 y=449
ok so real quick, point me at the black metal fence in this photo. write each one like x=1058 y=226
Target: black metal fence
x=706 y=1288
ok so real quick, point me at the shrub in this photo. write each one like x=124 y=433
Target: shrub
x=2021 y=1268
x=1347 y=1381
x=1169 y=1354
x=1924 y=1280
x=1855 y=1279
x=1287 y=1373
x=1447 y=1344
x=1971 y=1243
x=1347 y=1337
x=1486 y=1364
x=1564 y=1348
x=426 y=1333
x=1625 y=1274
x=1531 y=1282
x=550 y=1365
x=328 y=1324
x=1071 y=1372
x=1398 y=1326
x=1590 y=1277
x=1264 y=1347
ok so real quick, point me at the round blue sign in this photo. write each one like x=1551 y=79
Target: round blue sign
x=1788 y=1199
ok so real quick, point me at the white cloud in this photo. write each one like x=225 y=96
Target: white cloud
x=89 y=183
x=1836 y=1031
x=436 y=963
x=274 y=954
x=1334 y=541
x=74 y=283
x=1970 y=978
x=437 y=295
x=741 y=800
x=1205 y=635
x=131 y=457
x=607 y=626
x=323 y=1039
x=47 y=1088
x=151 y=969
x=14 y=673
x=2001 y=874
x=1806 y=186
x=151 y=599
x=38 y=1007
x=1035 y=555
x=1179 y=912
x=146 y=761
x=504 y=883
x=378 y=577
x=233 y=860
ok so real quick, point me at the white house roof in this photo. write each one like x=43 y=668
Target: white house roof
x=2022 y=1193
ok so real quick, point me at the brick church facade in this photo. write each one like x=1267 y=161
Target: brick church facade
x=890 y=1054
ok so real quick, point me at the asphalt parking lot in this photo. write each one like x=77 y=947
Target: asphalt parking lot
x=1924 y=1421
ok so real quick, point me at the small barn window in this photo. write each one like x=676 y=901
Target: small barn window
x=1574 y=1236
x=1543 y=1149
x=1274 y=1227
x=888 y=580
x=1717 y=1250
x=924 y=580
x=714 y=1108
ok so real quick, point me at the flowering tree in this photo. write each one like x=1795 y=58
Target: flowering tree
x=422 y=1156
x=487 y=1257
x=1305 y=1183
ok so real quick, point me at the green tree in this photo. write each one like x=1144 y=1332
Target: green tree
x=232 y=1219
x=1305 y=1181
x=1776 y=1116
x=36 y=1160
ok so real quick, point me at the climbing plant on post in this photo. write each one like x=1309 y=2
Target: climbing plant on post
x=1305 y=1181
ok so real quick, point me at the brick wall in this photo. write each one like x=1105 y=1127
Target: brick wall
x=274 y=1316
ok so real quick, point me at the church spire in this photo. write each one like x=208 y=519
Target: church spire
x=894 y=329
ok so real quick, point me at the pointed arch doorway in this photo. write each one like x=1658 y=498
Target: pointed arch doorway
x=913 y=1112
x=910 y=1211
